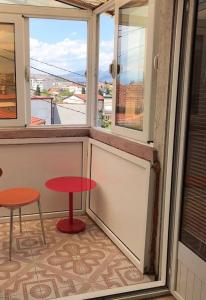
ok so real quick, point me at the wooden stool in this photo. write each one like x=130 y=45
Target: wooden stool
x=16 y=198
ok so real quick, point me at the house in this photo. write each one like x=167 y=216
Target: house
x=143 y=199
x=37 y=82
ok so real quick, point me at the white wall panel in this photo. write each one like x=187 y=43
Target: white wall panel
x=191 y=275
x=30 y=165
x=121 y=198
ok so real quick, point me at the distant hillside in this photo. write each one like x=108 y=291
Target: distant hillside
x=103 y=76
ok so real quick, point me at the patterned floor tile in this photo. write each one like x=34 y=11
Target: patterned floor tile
x=75 y=258
x=24 y=285
x=68 y=264
x=20 y=243
x=106 y=284
x=62 y=279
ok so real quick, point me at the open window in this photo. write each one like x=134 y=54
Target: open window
x=58 y=72
x=133 y=69
x=12 y=87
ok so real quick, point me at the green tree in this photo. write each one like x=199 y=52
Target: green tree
x=45 y=93
x=100 y=92
x=38 y=91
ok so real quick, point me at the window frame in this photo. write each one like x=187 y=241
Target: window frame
x=146 y=134
x=25 y=12
x=96 y=39
x=19 y=69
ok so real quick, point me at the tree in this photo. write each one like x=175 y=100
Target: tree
x=100 y=92
x=38 y=91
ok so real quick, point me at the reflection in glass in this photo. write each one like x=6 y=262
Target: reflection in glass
x=49 y=3
x=8 y=99
x=105 y=86
x=133 y=19
x=193 y=227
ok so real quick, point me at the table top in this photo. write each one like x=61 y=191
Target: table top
x=70 y=184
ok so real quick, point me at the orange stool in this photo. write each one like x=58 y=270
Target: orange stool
x=16 y=198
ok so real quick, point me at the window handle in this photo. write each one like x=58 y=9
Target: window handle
x=156 y=62
x=112 y=69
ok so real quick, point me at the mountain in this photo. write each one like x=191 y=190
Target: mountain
x=103 y=76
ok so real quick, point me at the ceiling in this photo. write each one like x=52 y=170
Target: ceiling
x=91 y=4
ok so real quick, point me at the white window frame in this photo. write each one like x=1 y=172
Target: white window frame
x=19 y=69
x=28 y=11
x=95 y=69
x=149 y=82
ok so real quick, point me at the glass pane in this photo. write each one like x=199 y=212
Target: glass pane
x=58 y=61
x=8 y=100
x=133 y=19
x=193 y=227
x=106 y=54
x=49 y=3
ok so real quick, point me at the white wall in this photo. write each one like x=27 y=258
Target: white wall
x=30 y=165
x=121 y=200
x=191 y=275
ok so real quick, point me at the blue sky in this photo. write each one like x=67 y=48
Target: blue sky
x=64 y=43
x=52 y=31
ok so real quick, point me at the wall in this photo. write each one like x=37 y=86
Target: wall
x=191 y=275
x=121 y=204
x=30 y=162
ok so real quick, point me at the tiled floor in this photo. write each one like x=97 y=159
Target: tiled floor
x=67 y=265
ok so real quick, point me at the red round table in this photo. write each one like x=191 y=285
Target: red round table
x=70 y=184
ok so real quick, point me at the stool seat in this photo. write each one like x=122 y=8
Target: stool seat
x=16 y=197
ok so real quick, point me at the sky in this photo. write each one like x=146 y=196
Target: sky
x=63 y=43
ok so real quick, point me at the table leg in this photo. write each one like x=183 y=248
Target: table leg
x=71 y=225
x=71 y=208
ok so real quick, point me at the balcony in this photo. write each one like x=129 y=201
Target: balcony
x=113 y=131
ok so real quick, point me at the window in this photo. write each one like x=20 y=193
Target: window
x=134 y=72
x=105 y=80
x=193 y=227
x=50 y=3
x=12 y=89
x=8 y=72
x=58 y=64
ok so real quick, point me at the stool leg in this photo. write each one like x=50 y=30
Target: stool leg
x=42 y=225
x=20 y=226
x=11 y=232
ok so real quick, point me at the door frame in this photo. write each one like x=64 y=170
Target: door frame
x=177 y=249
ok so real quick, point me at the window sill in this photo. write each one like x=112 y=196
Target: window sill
x=139 y=149
x=19 y=133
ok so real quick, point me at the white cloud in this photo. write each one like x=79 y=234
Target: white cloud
x=106 y=54
x=69 y=54
x=107 y=44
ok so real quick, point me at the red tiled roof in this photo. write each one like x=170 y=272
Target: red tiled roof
x=5 y=114
x=84 y=97
x=37 y=121
x=8 y=97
